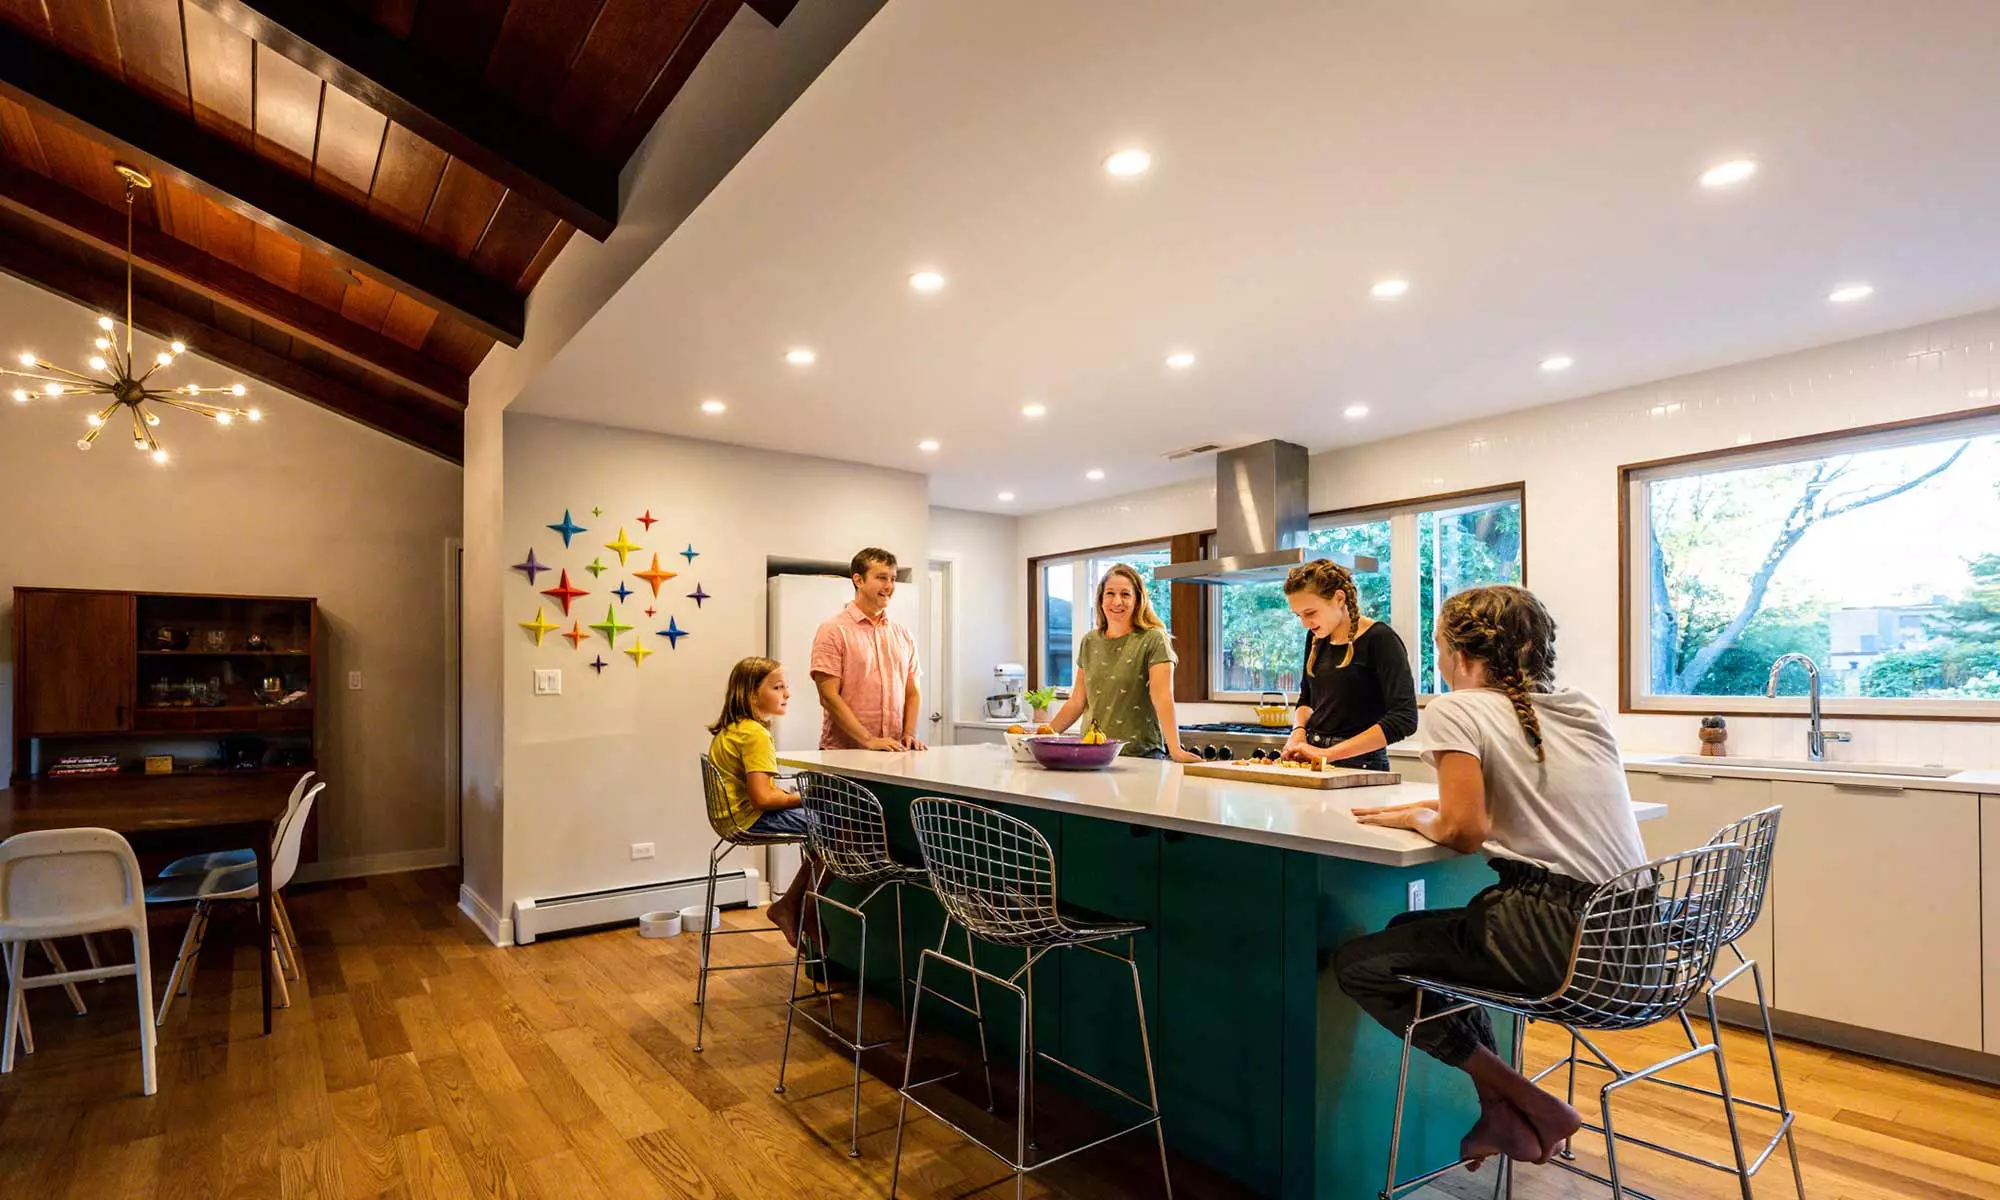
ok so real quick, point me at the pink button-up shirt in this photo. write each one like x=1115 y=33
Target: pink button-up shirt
x=874 y=659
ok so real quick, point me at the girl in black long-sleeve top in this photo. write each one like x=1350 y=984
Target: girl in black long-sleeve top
x=1356 y=697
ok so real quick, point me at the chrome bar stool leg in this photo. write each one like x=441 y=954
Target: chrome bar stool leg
x=707 y=935
x=909 y=1060
x=1152 y=1081
x=1778 y=1079
x=1728 y=1097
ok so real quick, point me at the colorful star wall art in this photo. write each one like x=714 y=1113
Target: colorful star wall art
x=690 y=554
x=648 y=520
x=623 y=546
x=564 y=592
x=651 y=611
x=540 y=626
x=568 y=528
x=611 y=626
x=529 y=567
x=655 y=576
x=596 y=512
x=575 y=634
x=596 y=567
x=622 y=592
x=638 y=652
x=697 y=595
x=598 y=664
x=673 y=633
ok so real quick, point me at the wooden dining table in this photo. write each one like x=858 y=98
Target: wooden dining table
x=179 y=814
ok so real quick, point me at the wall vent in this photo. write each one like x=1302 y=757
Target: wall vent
x=1191 y=451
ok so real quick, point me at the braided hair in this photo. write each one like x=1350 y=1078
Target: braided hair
x=1327 y=579
x=1507 y=630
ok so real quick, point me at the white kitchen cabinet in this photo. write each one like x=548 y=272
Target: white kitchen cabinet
x=1697 y=806
x=1412 y=768
x=1989 y=857
x=1878 y=919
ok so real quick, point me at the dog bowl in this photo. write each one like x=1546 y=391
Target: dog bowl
x=691 y=918
x=659 y=924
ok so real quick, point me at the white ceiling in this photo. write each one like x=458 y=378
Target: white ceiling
x=1530 y=166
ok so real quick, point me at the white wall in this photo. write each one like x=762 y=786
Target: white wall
x=1568 y=455
x=987 y=625
x=304 y=504
x=612 y=760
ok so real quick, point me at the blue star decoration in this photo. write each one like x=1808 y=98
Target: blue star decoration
x=568 y=529
x=599 y=664
x=530 y=568
x=690 y=553
x=621 y=591
x=697 y=595
x=673 y=633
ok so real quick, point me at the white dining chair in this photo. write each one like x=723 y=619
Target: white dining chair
x=235 y=883
x=66 y=883
x=202 y=864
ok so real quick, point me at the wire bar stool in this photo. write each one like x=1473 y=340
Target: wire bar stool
x=850 y=839
x=995 y=875
x=1645 y=947
x=1758 y=835
x=727 y=838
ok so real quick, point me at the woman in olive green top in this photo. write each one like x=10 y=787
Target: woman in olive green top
x=1125 y=673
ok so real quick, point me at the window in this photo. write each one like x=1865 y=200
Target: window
x=1877 y=554
x=1068 y=592
x=1425 y=550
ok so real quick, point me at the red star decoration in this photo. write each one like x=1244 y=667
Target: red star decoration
x=575 y=634
x=564 y=593
x=651 y=611
x=648 y=520
x=655 y=576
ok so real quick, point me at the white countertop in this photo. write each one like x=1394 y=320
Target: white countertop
x=1725 y=767
x=1159 y=794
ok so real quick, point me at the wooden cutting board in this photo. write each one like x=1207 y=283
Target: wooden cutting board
x=1328 y=778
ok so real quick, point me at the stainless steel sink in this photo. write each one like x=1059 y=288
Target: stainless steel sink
x=1830 y=768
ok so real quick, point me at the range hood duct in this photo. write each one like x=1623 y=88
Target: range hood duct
x=1262 y=519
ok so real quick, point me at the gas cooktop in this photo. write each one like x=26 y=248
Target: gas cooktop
x=1242 y=728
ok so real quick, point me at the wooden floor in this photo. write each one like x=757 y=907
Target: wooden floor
x=418 y=1061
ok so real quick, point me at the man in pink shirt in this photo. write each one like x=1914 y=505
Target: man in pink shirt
x=866 y=666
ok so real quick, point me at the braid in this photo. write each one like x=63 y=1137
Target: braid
x=1507 y=630
x=1325 y=578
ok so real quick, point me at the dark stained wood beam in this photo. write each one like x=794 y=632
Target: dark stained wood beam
x=53 y=206
x=694 y=45
x=774 y=11
x=369 y=63
x=433 y=427
x=162 y=140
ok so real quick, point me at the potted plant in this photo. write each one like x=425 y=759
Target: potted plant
x=1038 y=703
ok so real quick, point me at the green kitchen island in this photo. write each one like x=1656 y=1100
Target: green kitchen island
x=1266 y=1071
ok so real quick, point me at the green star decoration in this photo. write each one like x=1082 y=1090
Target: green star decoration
x=611 y=626
x=596 y=567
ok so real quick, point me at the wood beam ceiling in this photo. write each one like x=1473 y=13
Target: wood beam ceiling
x=774 y=11
x=161 y=140
x=381 y=71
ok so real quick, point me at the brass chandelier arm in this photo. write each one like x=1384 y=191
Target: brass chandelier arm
x=211 y=411
x=73 y=376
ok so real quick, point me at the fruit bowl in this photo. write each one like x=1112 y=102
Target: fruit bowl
x=1073 y=753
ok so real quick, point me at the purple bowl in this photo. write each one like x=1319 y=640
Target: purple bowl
x=1072 y=753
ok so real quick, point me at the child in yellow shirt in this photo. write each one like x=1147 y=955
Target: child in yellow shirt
x=742 y=750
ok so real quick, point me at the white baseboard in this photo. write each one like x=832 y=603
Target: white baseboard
x=498 y=929
x=375 y=864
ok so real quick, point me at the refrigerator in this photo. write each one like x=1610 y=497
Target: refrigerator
x=798 y=605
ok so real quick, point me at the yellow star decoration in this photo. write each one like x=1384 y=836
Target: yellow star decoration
x=611 y=626
x=540 y=626
x=638 y=652
x=654 y=575
x=622 y=546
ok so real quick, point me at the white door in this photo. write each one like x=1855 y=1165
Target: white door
x=937 y=683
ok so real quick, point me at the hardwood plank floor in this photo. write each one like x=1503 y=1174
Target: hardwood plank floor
x=418 y=1061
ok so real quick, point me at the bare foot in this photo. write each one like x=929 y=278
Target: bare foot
x=1501 y=1129
x=1552 y=1121
x=786 y=917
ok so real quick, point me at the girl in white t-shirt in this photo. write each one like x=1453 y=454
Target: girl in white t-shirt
x=1529 y=775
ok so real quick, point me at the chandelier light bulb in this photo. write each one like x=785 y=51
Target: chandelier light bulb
x=152 y=418
x=97 y=362
x=255 y=414
x=237 y=389
x=160 y=456
x=102 y=343
x=104 y=323
x=178 y=347
x=139 y=443
x=83 y=443
x=192 y=390
x=164 y=359
x=26 y=358
x=20 y=395
x=53 y=389
x=93 y=420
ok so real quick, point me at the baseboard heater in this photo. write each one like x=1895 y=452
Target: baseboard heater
x=619 y=906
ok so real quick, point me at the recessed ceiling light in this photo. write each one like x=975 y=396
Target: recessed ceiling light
x=1389 y=289
x=1847 y=293
x=1558 y=362
x=1006 y=497
x=928 y=446
x=1094 y=474
x=1736 y=170
x=927 y=281
x=1355 y=412
x=714 y=408
x=1034 y=411
x=800 y=356
x=1180 y=360
x=1128 y=162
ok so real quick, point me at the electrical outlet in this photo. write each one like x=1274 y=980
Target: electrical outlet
x=354 y=681
x=548 y=682
x=1416 y=895
x=641 y=850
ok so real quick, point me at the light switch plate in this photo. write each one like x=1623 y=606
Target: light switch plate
x=548 y=681
x=1416 y=895
x=641 y=850
x=354 y=681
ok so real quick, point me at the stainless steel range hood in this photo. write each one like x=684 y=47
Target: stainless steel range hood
x=1262 y=519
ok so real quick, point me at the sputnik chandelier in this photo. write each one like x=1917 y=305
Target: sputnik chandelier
x=117 y=374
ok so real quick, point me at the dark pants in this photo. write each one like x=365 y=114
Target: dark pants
x=1515 y=937
x=1374 y=760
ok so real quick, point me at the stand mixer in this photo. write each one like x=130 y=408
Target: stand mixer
x=1010 y=680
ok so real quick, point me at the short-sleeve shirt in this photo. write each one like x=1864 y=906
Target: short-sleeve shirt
x=737 y=751
x=1571 y=814
x=1116 y=683
x=874 y=659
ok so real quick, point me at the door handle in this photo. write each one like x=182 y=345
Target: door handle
x=937 y=716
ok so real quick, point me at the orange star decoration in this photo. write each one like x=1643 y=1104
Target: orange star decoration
x=540 y=626
x=638 y=652
x=575 y=634
x=655 y=576
x=622 y=546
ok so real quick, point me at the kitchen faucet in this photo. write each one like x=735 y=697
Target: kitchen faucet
x=1815 y=739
